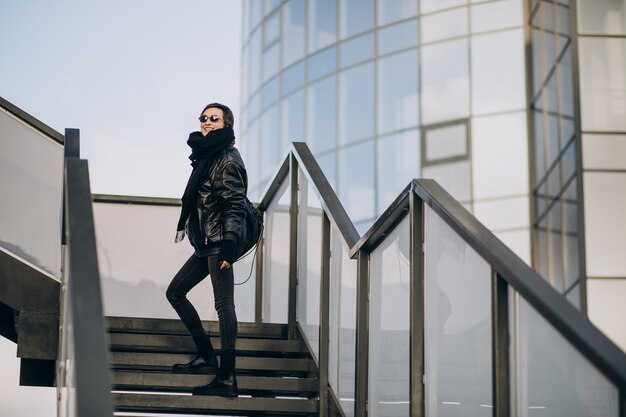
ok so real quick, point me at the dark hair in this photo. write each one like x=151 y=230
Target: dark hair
x=229 y=119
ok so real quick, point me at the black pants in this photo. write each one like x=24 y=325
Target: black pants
x=223 y=280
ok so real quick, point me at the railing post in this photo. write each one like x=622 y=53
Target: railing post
x=500 y=345
x=416 y=213
x=324 y=317
x=71 y=149
x=362 y=334
x=293 y=248
x=258 y=297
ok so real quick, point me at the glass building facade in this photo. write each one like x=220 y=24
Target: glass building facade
x=516 y=107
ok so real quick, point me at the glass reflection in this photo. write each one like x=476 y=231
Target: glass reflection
x=552 y=377
x=321 y=115
x=322 y=23
x=605 y=16
x=445 y=81
x=398 y=100
x=356 y=16
x=496 y=15
x=276 y=258
x=31 y=172
x=309 y=263
x=444 y=25
x=293 y=31
x=389 y=348
x=446 y=142
x=269 y=142
x=454 y=177
x=356 y=50
x=391 y=10
x=356 y=180
x=322 y=63
x=293 y=78
x=397 y=37
x=292 y=121
x=457 y=324
x=356 y=103
x=428 y=6
x=398 y=160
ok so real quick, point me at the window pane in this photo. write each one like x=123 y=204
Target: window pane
x=270 y=92
x=605 y=199
x=604 y=151
x=269 y=142
x=602 y=16
x=292 y=120
x=498 y=76
x=446 y=142
x=321 y=115
x=322 y=63
x=391 y=10
x=389 y=347
x=566 y=84
x=445 y=81
x=270 y=62
x=271 y=30
x=444 y=25
x=554 y=378
x=496 y=15
x=356 y=50
x=293 y=78
x=293 y=32
x=428 y=6
x=603 y=83
x=457 y=324
x=356 y=16
x=398 y=160
x=356 y=180
x=398 y=100
x=605 y=306
x=356 y=98
x=322 y=23
x=255 y=61
x=454 y=177
x=397 y=37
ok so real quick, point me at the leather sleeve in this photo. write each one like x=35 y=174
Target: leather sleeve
x=232 y=195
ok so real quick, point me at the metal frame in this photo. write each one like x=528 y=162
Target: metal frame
x=83 y=297
x=508 y=272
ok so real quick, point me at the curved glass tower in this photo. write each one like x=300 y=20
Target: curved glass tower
x=386 y=91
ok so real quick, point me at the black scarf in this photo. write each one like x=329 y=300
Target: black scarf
x=203 y=152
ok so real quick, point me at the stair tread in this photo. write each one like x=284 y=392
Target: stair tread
x=179 y=343
x=194 y=404
x=175 y=326
x=166 y=360
x=154 y=381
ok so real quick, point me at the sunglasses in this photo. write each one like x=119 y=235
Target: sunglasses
x=212 y=119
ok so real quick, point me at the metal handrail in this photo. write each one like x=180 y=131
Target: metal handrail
x=85 y=336
x=573 y=325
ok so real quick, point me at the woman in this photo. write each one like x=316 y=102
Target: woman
x=212 y=215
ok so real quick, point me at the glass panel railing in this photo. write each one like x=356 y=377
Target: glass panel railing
x=309 y=262
x=457 y=324
x=276 y=258
x=138 y=258
x=389 y=348
x=31 y=178
x=550 y=376
x=342 y=360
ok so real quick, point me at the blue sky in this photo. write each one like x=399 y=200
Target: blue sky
x=133 y=76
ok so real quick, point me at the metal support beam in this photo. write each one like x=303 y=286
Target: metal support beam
x=258 y=297
x=362 y=334
x=416 y=213
x=324 y=317
x=500 y=345
x=293 y=248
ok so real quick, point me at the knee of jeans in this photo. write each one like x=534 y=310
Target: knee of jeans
x=224 y=305
x=174 y=297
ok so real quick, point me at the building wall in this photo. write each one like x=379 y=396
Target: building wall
x=601 y=27
x=386 y=91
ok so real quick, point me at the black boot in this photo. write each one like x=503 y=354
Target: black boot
x=203 y=363
x=223 y=384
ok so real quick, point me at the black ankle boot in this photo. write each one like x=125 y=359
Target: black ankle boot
x=197 y=365
x=225 y=383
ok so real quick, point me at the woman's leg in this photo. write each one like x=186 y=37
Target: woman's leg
x=190 y=275
x=223 y=281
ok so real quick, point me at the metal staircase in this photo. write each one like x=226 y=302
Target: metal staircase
x=276 y=376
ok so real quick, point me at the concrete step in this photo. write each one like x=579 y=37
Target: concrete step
x=175 y=327
x=142 y=342
x=251 y=385
x=195 y=404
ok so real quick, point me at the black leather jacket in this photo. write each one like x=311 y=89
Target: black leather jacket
x=221 y=207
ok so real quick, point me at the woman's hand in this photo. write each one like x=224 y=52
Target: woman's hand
x=224 y=265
